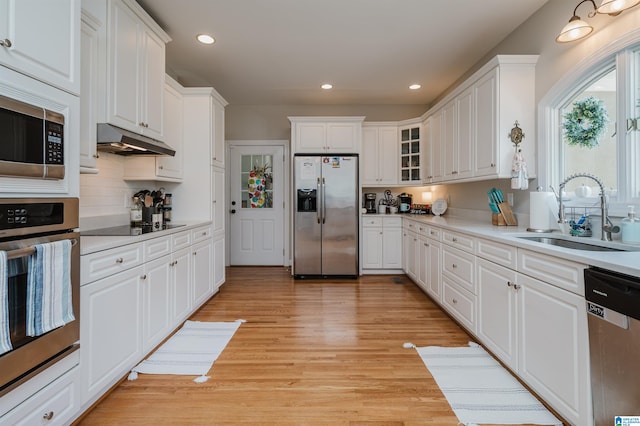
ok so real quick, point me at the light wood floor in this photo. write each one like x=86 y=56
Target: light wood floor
x=326 y=352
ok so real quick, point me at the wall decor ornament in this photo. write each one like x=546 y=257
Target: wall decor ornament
x=586 y=122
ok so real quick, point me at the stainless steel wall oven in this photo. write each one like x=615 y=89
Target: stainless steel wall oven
x=23 y=224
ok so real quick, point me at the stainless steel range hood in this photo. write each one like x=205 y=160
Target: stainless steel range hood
x=120 y=141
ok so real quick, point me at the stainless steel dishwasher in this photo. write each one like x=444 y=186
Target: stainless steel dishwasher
x=613 y=304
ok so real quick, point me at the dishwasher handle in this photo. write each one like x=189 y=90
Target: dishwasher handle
x=613 y=290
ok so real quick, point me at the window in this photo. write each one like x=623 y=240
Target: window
x=613 y=82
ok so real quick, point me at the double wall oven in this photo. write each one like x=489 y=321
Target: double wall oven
x=24 y=223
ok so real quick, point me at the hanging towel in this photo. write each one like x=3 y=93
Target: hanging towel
x=49 y=303
x=519 y=172
x=5 y=337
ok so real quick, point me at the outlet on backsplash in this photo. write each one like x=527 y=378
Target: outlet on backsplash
x=510 y=198
x=127 y=200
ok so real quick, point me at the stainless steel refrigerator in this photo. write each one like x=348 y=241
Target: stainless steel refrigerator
x=326 y=215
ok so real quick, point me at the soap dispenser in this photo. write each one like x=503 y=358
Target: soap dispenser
x=631 y=227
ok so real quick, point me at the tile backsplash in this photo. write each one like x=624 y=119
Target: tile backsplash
x=106 y=193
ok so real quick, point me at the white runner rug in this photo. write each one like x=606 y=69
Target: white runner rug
x=191 y=351
x=480 y=390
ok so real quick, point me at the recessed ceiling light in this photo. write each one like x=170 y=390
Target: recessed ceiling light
x=415 y=86
x=327 y=86
x=205 y=39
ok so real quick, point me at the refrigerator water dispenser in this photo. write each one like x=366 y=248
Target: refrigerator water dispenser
x=306 y=200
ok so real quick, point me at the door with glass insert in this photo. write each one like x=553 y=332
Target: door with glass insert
x=256 y=205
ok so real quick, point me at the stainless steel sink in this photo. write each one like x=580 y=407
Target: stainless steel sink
x=572 y=244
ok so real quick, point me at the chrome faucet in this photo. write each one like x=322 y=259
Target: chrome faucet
x=607 y=226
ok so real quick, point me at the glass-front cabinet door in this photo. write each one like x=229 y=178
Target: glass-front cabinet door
x=410 y=154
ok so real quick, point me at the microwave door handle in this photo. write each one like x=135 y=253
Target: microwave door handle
x=27 y=251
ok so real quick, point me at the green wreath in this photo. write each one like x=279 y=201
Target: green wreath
x=586 y=122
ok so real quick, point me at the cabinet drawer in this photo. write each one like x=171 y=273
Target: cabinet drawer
x=391 y=222
x=459 y=303
x=434 y=233
x=460 y=241
x=558 y=272
x=459 y=265
x=180 y=240
x=200 y=234
x=156 y=248
x=410 y=225
x=55 y=404
x=368 y=221
x=499 y=253
x=108 y=262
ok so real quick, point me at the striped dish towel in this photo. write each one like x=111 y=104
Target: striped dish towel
x=5 y=337
x=49 y=303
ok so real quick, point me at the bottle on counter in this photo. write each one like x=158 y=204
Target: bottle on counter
x=136 y=214
x=630 y=227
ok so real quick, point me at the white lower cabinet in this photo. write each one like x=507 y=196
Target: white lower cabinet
x=202 y=268
x=156 y=281
x=429 y=269
x=539 y=330
x=181 y=297
x=553 y=348
x=219 y=275
x=498 y=314
x=526 y=307
x=381 y=237
x=134 y=296
x=110 y=330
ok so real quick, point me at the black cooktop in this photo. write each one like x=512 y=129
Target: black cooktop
x=125 y=230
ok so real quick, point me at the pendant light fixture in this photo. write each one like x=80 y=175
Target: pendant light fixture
x=615 y=7
x=577 y=28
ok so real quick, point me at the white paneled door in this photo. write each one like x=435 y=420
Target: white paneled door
x=256 y=205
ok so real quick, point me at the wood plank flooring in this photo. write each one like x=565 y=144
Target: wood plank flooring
x=312 y=352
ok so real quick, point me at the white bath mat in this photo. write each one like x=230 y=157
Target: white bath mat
x=480 y=390
x=191 y=351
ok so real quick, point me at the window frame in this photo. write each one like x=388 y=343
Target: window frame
x=624 y=56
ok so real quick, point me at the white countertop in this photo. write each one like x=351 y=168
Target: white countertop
x=627 y=262
x=92 y=244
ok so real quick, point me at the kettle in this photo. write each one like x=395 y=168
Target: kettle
x=404 y=203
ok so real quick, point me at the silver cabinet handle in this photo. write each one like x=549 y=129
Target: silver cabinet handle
x=119 y=260
x=144 y=277
x=453 y=265
x=48 y=416
x=454 y=301
x=509 y=283
x=6 y=43
x=454 y=239
x=517 y=286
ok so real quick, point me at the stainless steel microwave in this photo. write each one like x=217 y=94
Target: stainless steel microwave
x=31 y=141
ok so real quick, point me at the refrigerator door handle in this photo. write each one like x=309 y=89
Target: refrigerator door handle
x=324 y=209
x=318 y=193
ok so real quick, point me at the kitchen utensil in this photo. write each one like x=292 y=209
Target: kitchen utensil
x=493 y=206
x=148 y=201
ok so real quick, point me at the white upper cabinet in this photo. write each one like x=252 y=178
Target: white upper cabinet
x=319 y=135
x=88 y=92
x=470 y=127
x=41 y=38
x=410 y=153
x=136 y=62
x=167 y=166
x=379 y=162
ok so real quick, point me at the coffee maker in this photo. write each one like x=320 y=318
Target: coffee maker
x=370 y=202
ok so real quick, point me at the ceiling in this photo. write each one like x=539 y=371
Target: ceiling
x=279 y=52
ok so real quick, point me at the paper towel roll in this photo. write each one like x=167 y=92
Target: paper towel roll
x=540 y=214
